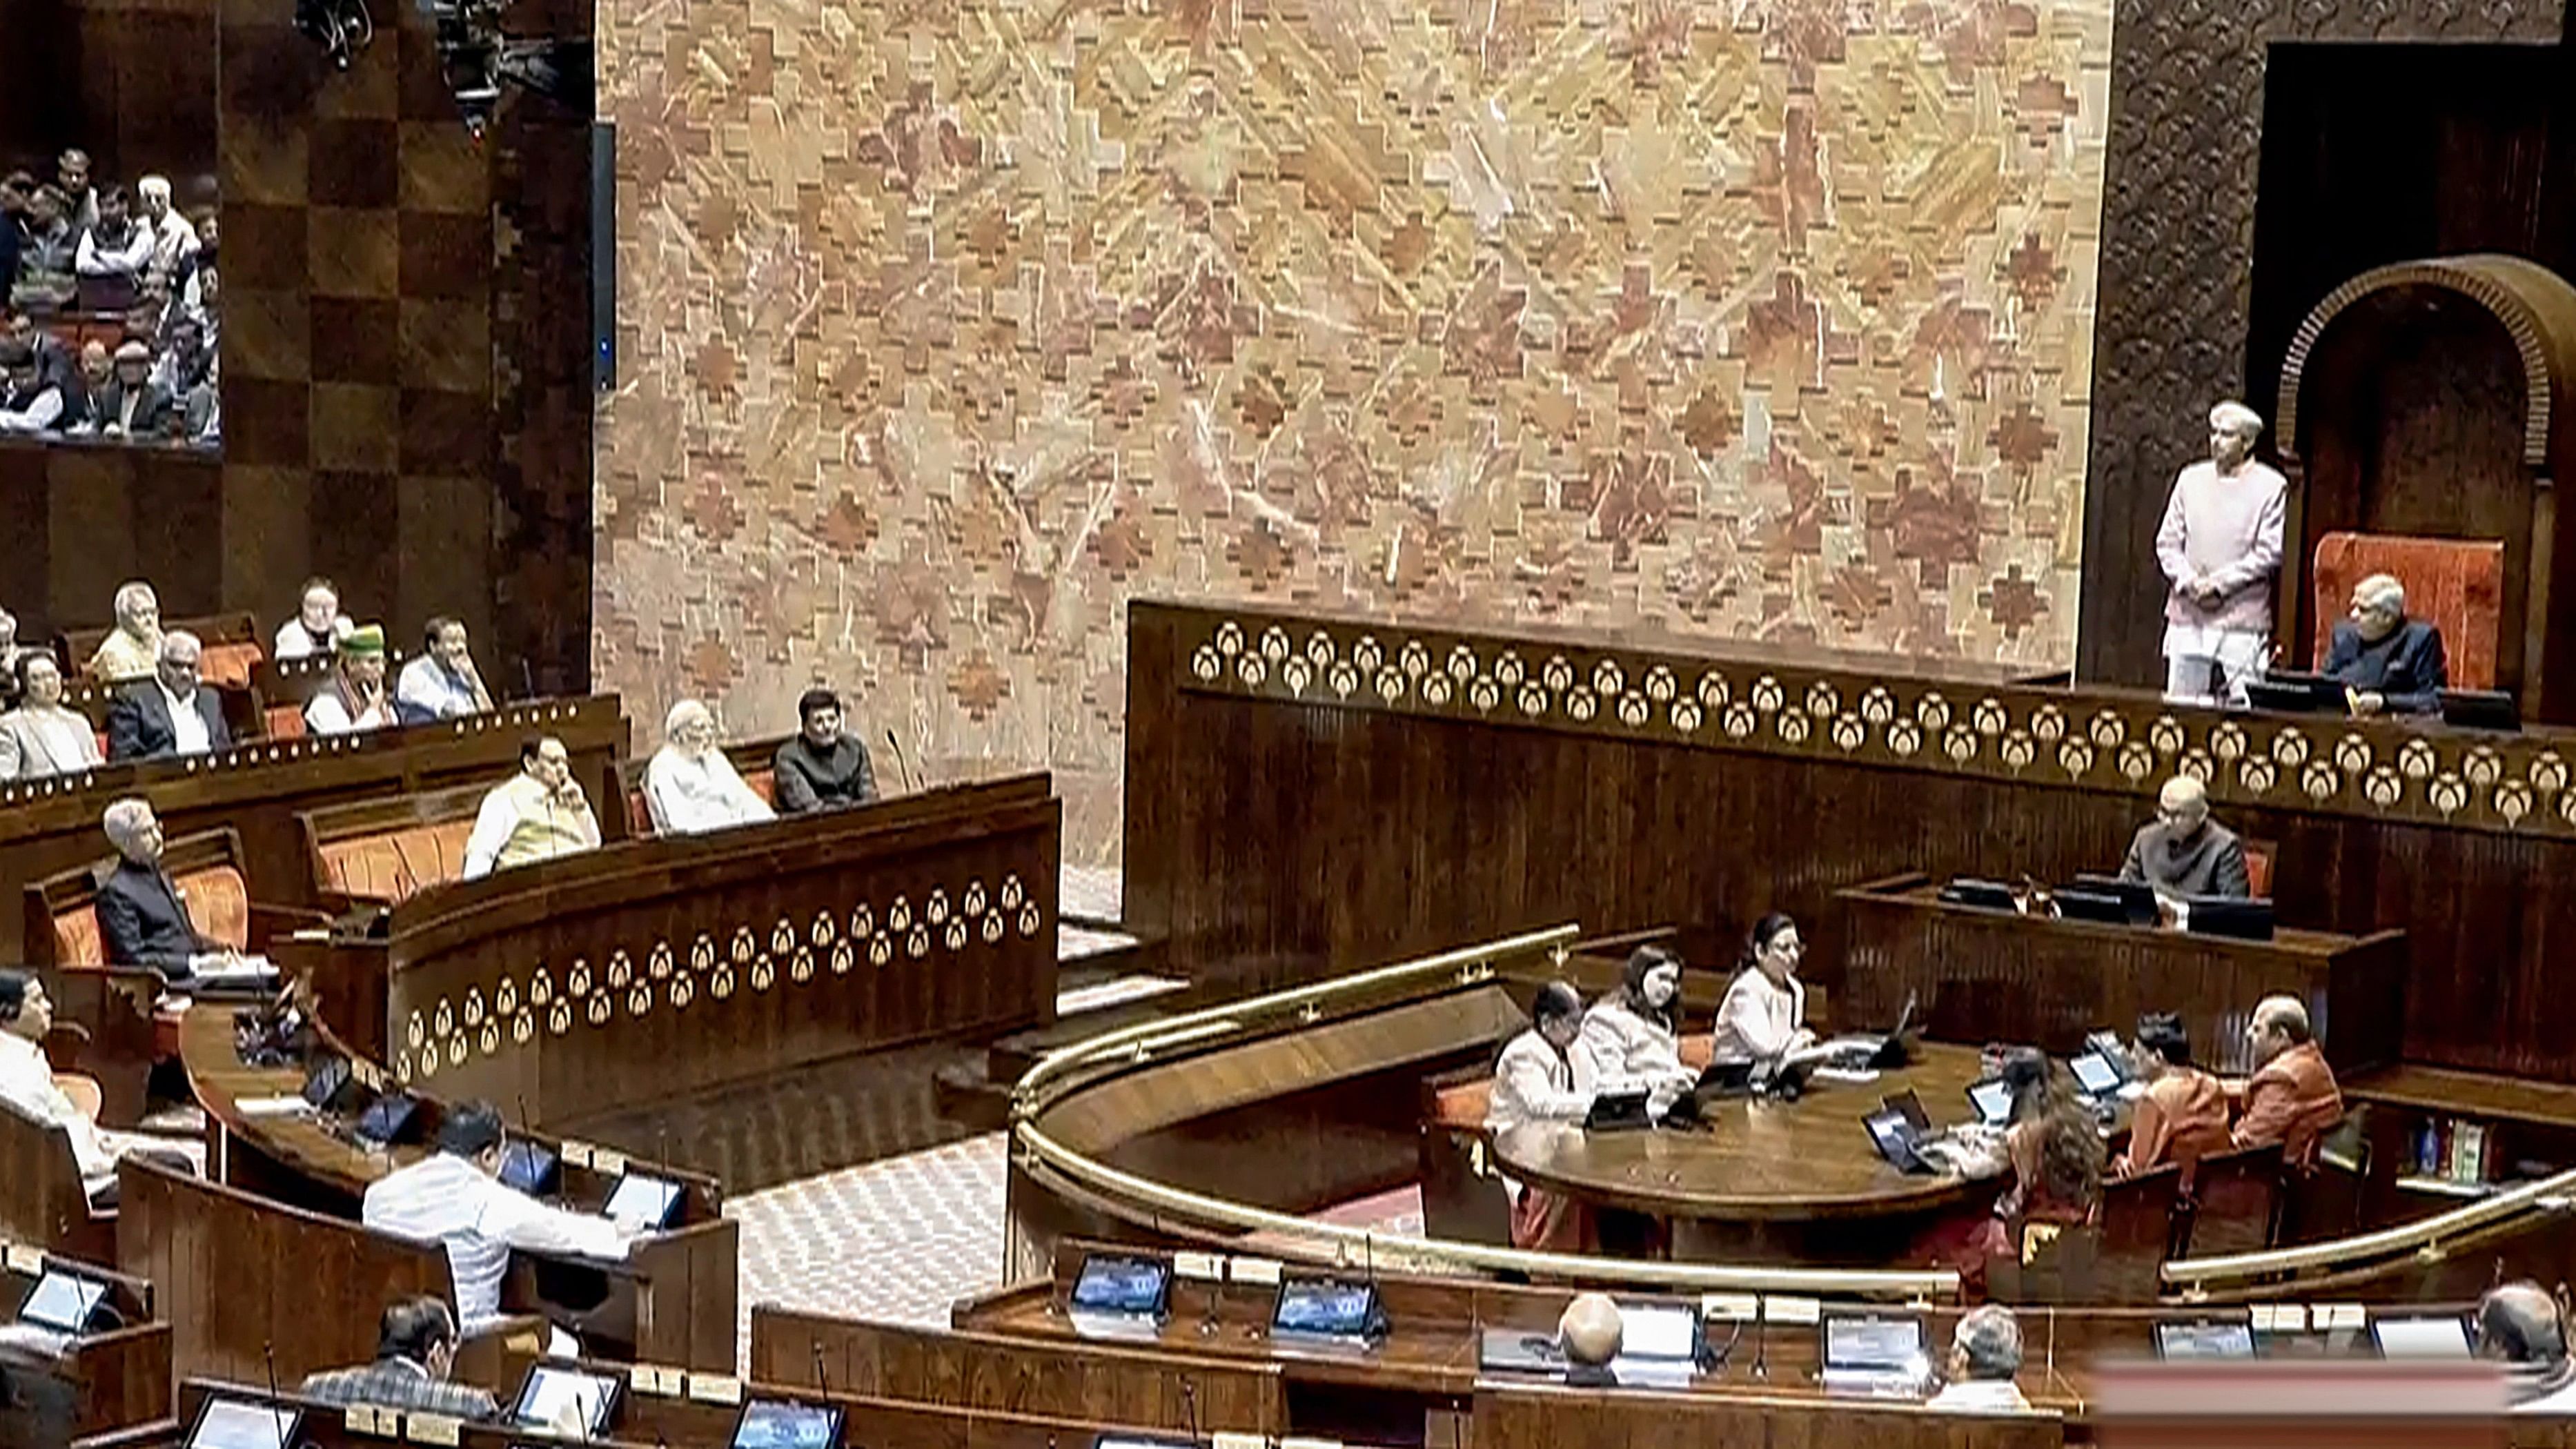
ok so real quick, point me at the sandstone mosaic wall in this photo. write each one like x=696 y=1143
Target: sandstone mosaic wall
x=949 y=325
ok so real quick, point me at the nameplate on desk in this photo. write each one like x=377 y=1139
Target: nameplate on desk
x=715 y=1389
x=1294 y=1443
x=654 y=1379
x=1261 y=1271
x=1730 y=1307
x=1780 y=1309
x=26 y=1258
x=370 y=1420
x=1199 y=1267
x=607 y=1163
x=368 y=1075
x=2280 y=1317
x=574 y=1154
x=433 y=1429
x=1236 y=1439
x=2336 y=1317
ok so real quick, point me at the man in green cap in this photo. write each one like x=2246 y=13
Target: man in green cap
x=356 y=699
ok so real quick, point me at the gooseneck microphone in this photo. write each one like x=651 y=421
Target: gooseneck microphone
x=911 y=785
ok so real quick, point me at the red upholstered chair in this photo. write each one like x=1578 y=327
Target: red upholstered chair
x=2456 y=584
x=2258 y=868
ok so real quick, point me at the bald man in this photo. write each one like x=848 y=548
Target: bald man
x=2521 y=1327
x=2292 y=1098
x=1590 y=1333
x=2182 y=852
x=2386 y=662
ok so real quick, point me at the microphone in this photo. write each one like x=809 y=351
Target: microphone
x=822 y=1380
x=276 y=1412
x=527 y=679
x=1190 y=1398
x=910 y=784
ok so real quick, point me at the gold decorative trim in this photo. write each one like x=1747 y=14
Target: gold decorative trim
x=2374 y=769
x=718 y=965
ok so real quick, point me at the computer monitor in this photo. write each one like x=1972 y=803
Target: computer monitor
x=643 y=1203
x=2230 y=916
x=386 y=1117
x=223 y=1422
x=2435 y=1337
x=2075 y=903
x=62 y=1302
x=785 y=1424
x=2481 y=709
x=1616 y=1111
x=1332 y=1309
x=2295 y=692
x=2137 y=895
x=1873 y=1343
x=558 y=1395
x=327 y=1084
x=1984 y=895
x=1114 y=1285
x=1908 y=1104
x=1894 y=1137
x=1992 y=1100
x=1659 y=1332
x=2095 y=1073
x=2207 y=1338
x=529 y=1167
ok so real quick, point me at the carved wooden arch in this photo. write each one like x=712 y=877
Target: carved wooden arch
x=2536 y=306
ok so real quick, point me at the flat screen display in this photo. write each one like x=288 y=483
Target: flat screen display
x=560 y=1397
x=527 y=1167
x=2205 y=1340
x=1324 y=1307
x=234 y=1424
x=62 y=1301
x=1892 y=1135
x=1873 y=1345
x=1993 y=1101
x=385 y=1117
x=1128 y=1287
x=642 y=1204
x=2096 y=1074
x=330 y=1077
x=2420 y=1337
x=1658 y=1330
x=777 y=1424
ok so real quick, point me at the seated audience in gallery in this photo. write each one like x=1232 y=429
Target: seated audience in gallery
x=690 y=784
x=143 y=916
x=1762 y=1017
x=48 y=249
x=29 y=1088
x=538 y=814
x=11 y=651
x=414 y=1369
x=2387 y=663
x=42 y=736
x=1536 y=1080
x=53 y=354
x=172 y=713
x=2522 y=1328
x=116 y=251
x=2181 y=1116
x=1985 y=1361
x=455 y=1197
x=1590 y=1334
x=1631 y=1038
x=2182 y=852
x=355 y=699
x=30 y=402
x=318 y=625
x=442 y=683
x=174 y=237
x=131 y=649
x=2292 y=1097
x=130 y=406
x=822 y=768
x=72 y=175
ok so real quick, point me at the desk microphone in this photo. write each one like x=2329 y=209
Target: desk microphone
x=911 y=784
x=276 y=1411
x=527 y=679
x=1190 y=1397
x=822 y=1380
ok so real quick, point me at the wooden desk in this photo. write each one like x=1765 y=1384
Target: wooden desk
x=651 y=969
x=51 y=825
x=1767 y=1180
x=114 y=1378
x=1980 y=976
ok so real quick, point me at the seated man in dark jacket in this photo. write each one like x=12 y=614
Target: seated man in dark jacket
x=130 y=406
x=172 y=713
x=142 y=920
x=415 y=1354
x=2387 y=663
x=822 y=768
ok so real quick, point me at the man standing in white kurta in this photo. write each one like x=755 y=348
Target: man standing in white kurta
x=2220 y=545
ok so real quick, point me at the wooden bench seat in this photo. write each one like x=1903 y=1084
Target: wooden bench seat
x=384 y=852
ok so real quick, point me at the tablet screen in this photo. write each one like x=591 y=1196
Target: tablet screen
x=773 y=1424
x=385 y=1117
x=1889 y=1130
x=1993 y=1101
x=61 y=1301
x=2097 y=1075
x=2420 y=1337
x=2205 y=1340
x=1658 y=1330
x=1129 y=1286
x=557 y=1397
x=233 y=1424
x=527 y=1167
x=1873 y=1344
x=1323 y=1306
x=642 y=1204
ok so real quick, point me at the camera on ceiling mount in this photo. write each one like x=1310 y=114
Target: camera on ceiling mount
x=475 y=58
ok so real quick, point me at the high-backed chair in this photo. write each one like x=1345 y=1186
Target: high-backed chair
x=2137 y=1230
x=386 y=851
x=2235 y=1203
x=2455 y=584
x=62 y=915
x=2323 y=1200
x=231 y=641
x=42 y=1199
x=628 y=812
x=1462 y=1198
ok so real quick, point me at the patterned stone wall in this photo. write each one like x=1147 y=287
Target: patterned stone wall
x=949 y=325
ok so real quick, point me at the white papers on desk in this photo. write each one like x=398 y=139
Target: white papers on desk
x=290 y=1105
x=1848 y=1076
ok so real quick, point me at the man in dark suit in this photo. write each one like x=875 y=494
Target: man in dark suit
x=169 y=714
x=2386 y=662
x=130 y=406
x=415 y=1353
x=141 y=919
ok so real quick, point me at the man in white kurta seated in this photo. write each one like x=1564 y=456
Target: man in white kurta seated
x=539 y=814
x=29 y=1088
x=690 y=785
x=2220 y=548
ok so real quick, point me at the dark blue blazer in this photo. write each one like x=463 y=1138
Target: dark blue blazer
x=2406 y=668
x=138 y=723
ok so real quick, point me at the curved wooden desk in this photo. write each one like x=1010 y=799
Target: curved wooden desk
x=651 y=969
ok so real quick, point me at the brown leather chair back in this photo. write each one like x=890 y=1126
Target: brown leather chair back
x=62 y=915
x=42 y=1200
x=2137 y=1227
x=2235 y=1202
x=389 y=850
x=2455 y=584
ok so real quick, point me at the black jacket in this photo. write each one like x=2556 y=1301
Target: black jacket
x=2406 y=668
x=142 y=921
x=138 y=723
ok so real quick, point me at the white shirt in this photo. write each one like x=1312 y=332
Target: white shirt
x=426 y=684
x=523 y=800
x=1625 y=1052
x=187 y=727
x=95 y=257
x=1980 y=1396
x=445 y=1199
x=1532 y=1083
x=39 y=414
x=328 y=714
x=294 y=643
x=27 y=1088
x=1757 y=1020
x=173 y=237
x=690 y=794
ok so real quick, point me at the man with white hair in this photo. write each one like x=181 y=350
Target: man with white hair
x=133 y=647
x=143 y=917
x=1985 y=1359
x=690 y=786
x=2220 y=546
x=2182 y=852
x=2292 y=1098
x=174 y=238
x=170 y=714
x=2386 y=662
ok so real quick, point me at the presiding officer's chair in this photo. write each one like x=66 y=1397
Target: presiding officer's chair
x=2454 y=584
